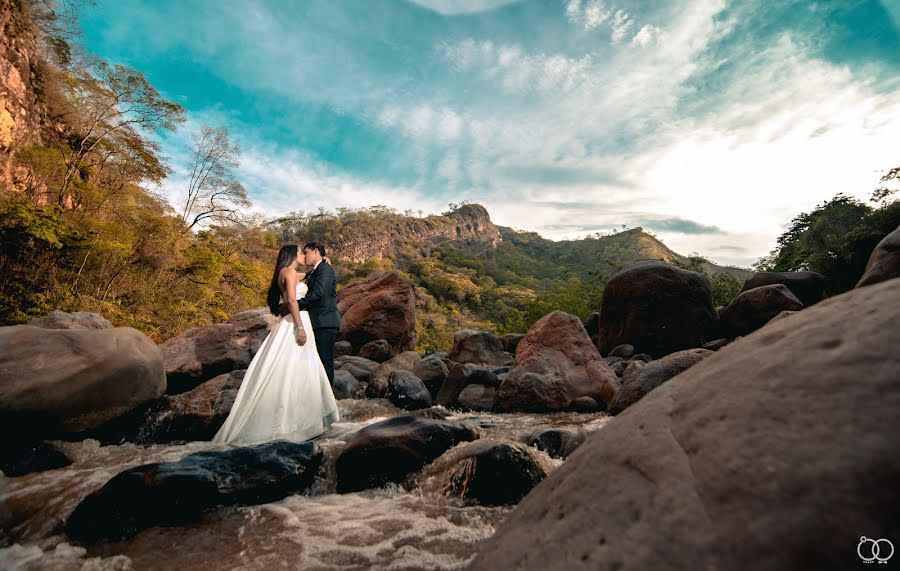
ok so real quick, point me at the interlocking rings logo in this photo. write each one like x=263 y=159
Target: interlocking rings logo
x=871 y=550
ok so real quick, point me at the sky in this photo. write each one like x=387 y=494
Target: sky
x=710 y=123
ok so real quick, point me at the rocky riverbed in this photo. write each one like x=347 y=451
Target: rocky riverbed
x=392 y=527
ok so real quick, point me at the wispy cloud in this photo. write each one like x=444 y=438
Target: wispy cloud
x=717 y=121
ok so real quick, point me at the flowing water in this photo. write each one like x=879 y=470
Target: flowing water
x=387 y=528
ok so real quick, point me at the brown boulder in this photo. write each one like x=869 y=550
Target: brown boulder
x=754 y=308
x=808 y=287
x=200 y=354
x=656 y=307
x=556 y=363
x=884 y=263
x=192 y=416
x=750 y=460
x=654 y=374
x=76 y=320
x=479 y=348
x=383 y=308
x=362 y=369
x=477 y=397
x=72 y=380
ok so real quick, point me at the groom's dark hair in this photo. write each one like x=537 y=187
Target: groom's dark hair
x=315 y=246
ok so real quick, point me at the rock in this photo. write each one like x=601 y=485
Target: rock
x=510 y=342
x=192 y=416
x=382 y=308
x=482 y=376
x=884 y=263
x=379 y=351
x=378 y=383
x=501 y=370
x=176 y=493
x=619 y=367
x=342 y=349
x=587 y=404
x=33 y=457
x=362 y=369
x=479 y=347
x=807 y=287
x=391 y=450
x=642 y=357
x=200 y=354
x=557 y=442
x=346 y=386
x=489 y=473
x=655 y=307
x=612 y=360
x=633 y=371
x=751 y=461
x=754 y=308
x=719 y=343
x=477 y=397
x=592 y=326
x=624 y=351
x=64 y=381
x=556 y=363
x=76 y=320
x=653 y=375
x=453 y=384
x=433 y=371
x=407 y=391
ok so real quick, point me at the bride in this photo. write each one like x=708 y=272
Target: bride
x=285 y=394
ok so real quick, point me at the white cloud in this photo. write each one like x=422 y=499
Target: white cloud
x=454 y=7
x=621 y=26
x=645 y=36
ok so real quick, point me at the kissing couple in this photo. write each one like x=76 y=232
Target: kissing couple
x=287 y=391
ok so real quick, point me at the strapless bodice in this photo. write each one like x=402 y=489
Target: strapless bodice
x=301 y=291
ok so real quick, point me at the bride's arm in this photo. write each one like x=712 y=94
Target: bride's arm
x=290 y=282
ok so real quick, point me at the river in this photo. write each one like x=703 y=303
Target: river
x=390 y=528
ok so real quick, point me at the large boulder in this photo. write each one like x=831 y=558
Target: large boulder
x=453 y=384
x=557 y=442
x=656 y=307
x=884 y=263
x=754 y=308
x=808 y=287
x=486 y=472
x=175 y=493
x=391 y=450
x=383 y=308
x=59 y=381
x=202 y=353
x=76 y=320
x=378 y=383
x=480 y=348
x=192 y=416
x=510 y=342
x=477 y=397
x=652 y=375
x=555 y=363
x=778 y=451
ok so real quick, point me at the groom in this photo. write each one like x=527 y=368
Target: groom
x=321 y=303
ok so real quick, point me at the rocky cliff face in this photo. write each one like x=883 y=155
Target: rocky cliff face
x=469 y=226
x=20 y=84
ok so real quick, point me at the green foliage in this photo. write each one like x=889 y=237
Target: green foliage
x=836 y=240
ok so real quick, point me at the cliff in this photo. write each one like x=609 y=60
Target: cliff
x=21 y=113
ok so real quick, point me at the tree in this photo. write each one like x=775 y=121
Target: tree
x=882 y=193
x=110 y=103
x=213 y=191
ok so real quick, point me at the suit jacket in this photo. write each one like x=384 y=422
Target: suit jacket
x=321 y=299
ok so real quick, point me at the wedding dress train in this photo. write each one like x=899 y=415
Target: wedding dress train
x=285 y=394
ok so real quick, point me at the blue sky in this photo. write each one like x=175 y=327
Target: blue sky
x=708 y=122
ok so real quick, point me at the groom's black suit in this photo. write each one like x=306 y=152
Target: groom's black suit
x=321 y=303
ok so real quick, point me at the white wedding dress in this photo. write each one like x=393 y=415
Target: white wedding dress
x=285 y=394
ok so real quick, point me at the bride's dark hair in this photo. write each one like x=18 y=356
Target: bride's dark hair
x=286 y=257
